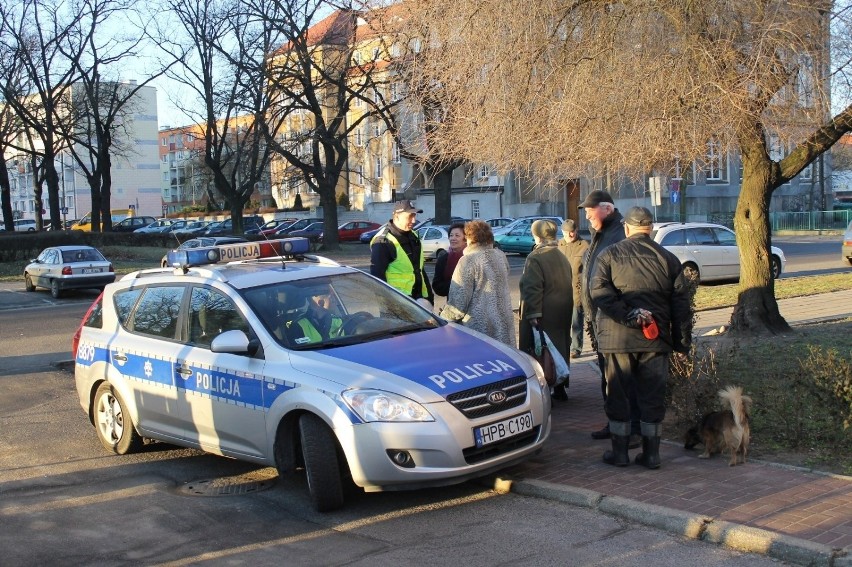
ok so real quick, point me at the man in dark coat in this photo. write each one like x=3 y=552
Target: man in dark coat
x=605 y=225
x=643 y=313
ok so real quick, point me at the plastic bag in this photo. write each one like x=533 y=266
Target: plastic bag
x=556 y=369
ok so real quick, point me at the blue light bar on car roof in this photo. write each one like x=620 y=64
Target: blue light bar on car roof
x=285 y=247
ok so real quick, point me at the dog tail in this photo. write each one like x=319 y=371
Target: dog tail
x=734 y=398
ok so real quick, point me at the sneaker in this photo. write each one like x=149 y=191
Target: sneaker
x=601 y=433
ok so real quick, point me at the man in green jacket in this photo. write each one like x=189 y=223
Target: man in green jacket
x=396 y=254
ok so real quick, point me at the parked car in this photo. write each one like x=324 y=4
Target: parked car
x=708 y=251
x=525 y=221
x=499 y=222
x=847 y=243
x=366 y=237
x=434 y=239
x=312 y=232
x=351 y=231
x=298 y=225
x=25 y=225
x=159 y=225
x=269 y=227
x=203 y=242
x=226 y=226
x=193 y=228
x=520 y=239
x=60 y=268
x=431 y=222
x=131 y=224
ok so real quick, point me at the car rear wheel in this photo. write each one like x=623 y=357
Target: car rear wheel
x=113 y=424
x=28 y=283
x=775 y=266
x=322 y=468
x=55 y=290
x=690 y=272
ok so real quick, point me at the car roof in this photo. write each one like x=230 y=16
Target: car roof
x=67 y=247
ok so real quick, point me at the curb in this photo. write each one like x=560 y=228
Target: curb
x=694 y=526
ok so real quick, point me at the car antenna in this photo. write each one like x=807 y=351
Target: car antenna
x=280 y=255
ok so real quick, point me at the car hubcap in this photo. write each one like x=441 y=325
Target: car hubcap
x=110 y=420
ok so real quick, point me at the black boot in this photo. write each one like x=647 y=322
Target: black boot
x=618 y=455
x=650 y=455
x=602 y=433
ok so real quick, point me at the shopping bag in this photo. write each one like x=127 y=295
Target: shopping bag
x=556 y=369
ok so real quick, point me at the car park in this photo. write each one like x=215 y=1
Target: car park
x=269 y=227
x=131 y=224
x=192 y=228
x=159 y=225
x=846 y=248
x=216 y=357
x=434 y=240
x=520 y=240
x=524 y=221
x=351 y=231
x=60 y=268
x=226 y=226
x=204 y=242
x=707 y=251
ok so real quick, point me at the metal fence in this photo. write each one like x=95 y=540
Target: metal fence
x=810 y=221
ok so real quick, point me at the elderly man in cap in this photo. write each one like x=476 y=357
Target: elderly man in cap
x=574 y=248
x=643 y=313
x=605 y=225
x=396 y=254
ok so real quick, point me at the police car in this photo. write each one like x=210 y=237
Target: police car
x=262 y=353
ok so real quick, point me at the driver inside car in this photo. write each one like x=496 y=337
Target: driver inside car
x=317 y=323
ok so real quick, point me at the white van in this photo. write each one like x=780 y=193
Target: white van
x=25 y=225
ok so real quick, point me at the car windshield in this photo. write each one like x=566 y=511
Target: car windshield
x=334 y=311
x=82 y=255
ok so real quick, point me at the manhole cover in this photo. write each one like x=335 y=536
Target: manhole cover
x=229 y=485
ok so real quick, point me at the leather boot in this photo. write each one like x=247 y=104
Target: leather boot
x=650 y=455
x=618 y=455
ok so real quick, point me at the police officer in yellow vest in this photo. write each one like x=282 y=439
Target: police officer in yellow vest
x=317 y=323
x=396 y=254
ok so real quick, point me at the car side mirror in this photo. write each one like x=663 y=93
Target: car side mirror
x=235 y=342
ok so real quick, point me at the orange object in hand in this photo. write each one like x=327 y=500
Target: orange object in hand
x=650 y=329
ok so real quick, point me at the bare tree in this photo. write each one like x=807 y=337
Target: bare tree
x=568 y=87
x=324 y=68
x=32 y=33
x=225 y=67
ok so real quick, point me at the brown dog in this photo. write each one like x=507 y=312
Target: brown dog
x=724 y=429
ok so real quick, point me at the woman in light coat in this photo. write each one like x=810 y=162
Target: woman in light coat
x=479 y=292
x=546 y=295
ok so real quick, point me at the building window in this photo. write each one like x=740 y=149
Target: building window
x=377 y=128
x=394 y=91
x=483 y=171
x=378 y=168
x=474 y=209
x=356 y=57
x=164 y=142
x=360 y=174
x=358 y=137
x=716 y=162
x=395 y=154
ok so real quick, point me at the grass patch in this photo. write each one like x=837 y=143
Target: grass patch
x=715 y=296
x=801 y=384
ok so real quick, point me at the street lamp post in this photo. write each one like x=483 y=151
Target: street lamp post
x=64 y=208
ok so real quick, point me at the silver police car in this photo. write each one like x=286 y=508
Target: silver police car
x=297 y=362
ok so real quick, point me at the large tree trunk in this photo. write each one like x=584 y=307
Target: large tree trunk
x=330 y=240
x=6 y=196
x=756 y=311
x=442 y=181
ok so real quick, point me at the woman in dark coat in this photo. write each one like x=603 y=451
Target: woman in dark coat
x=445 y=264
x=546 y=296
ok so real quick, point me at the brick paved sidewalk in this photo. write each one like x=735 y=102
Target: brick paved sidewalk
x=784 y=500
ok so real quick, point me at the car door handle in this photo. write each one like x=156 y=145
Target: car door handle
x=183 y=371
x=119 y=357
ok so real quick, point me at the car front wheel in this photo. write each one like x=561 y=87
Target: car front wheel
x=28 y=283
x=112 y=422
x=322 y=468
x=775 y=266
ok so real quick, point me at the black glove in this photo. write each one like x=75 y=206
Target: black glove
x=633 y=319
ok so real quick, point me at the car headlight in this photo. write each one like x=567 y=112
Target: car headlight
x=375 y=405
x=539 y=372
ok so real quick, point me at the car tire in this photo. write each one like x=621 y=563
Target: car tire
x=691 y=273
x=55 y=290
x=322 y=468
x=775 y=267
x=112 y=422
x=28 y=283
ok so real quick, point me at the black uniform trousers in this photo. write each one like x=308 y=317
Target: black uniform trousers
x=643 y=373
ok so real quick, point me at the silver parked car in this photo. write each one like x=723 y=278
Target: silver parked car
x=708 y=251
x=60 y=268
x=435 y=240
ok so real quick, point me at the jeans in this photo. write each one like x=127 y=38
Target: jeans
x=577 y=324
